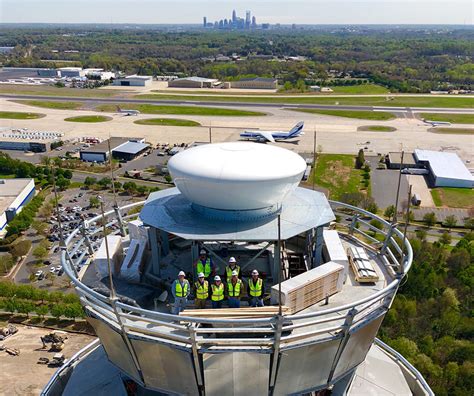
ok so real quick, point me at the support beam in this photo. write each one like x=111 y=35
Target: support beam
x=259 y=253
x=155 y=254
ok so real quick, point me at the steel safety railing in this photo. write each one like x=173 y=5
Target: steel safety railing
x=291 y=331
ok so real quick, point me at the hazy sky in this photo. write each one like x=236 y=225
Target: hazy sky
x=272 y=11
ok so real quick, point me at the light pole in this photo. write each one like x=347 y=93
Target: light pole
x=109 y=267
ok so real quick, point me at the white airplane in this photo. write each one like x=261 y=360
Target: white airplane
x=128 y=112
x=273 y=136
x=436 y=123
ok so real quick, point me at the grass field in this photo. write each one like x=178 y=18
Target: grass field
x=17 y=115
x=453 y=197
x=167 y=121
x=453 y=131
x=185 y=110
x=396 y=101
x=376 y=128
x=361 y=115
x=46 y=90
x=363 y=89
x=88 y=118
x=336 y=172
x=454 y=118
x=51 y=104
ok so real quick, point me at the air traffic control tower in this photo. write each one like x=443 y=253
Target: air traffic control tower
x=328 y=286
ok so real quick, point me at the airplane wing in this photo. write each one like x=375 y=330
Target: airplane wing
x=267 y=135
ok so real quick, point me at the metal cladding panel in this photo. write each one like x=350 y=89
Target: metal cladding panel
x=166 y=369
x=305 y=368
x=237 y=373
x=360 y=341
x=115 y=347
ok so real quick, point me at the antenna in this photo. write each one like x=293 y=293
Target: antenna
x=314 y=156
x=405 y=230
x=398 y=190
x=109 y=267
x=112 y=173
x=279 y=267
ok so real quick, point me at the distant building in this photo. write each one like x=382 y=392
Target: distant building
x=98 y=74
x=133 y=81
x=204 y=22
x=446 y=169
x=71 y=72
x=394 y=159
x=255 y=83
x=14 y=195
x=121 y=148
x=6 y=50
x=194 y=82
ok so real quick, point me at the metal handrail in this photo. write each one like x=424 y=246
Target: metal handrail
x=75 y=358
x=91 y=297
x=397 y=357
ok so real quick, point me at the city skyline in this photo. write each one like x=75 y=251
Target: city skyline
x=234 y=22
x=272 y=12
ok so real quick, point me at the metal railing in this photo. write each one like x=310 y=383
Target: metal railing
x=291 y=332
x=399 y=359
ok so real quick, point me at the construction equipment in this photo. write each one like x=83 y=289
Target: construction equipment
x=10 y=351
x=58 y=360
x=55 y=339
x=7 y=331
x=43 y=360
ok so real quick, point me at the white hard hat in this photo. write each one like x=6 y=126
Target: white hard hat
x=235 y=273
x=181 y=273
x=200 y=275
x=254 y=272
x=217 y=278
x=202 y=251
x=232 y=260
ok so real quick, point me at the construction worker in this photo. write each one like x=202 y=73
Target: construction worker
x=256 y=290
x=235 y=288
x=180 y=289
x=201 y=287
x=217 y=292
x=204 y=264
x=231 y=268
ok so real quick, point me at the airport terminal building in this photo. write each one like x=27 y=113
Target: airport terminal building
x=14 y=195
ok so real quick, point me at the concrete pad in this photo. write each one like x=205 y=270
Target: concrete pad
x=420 y=187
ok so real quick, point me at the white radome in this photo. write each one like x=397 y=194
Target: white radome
x=236 y=175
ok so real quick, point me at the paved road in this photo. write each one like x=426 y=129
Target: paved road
x=241 y=104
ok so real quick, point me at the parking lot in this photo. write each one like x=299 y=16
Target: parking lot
x=73 y=206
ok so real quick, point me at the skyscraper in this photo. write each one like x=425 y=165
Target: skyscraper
x=247 y=19
x=234 y=17
x=254 y=22
x=204 y=21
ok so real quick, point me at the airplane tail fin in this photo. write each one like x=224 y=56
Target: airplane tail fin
x=296 y=130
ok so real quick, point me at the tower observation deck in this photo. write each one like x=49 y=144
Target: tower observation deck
x=333 y=280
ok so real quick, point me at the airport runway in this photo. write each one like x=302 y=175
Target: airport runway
x=334 y=134
x=240 y=104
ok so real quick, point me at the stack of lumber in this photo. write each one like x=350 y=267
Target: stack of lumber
x=234 y=313
x=310 y=287
x=363 y=268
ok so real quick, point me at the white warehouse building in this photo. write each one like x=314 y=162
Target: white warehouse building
x=446 y=169
x=133 y=81
x=14 y=195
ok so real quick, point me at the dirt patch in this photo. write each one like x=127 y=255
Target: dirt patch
x=22 y=375
x=337 y=171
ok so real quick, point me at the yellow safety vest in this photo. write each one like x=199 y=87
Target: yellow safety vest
x=217 y=292
x=234 y=291
x=182 y=291
x=229 y=271
x=202 y=290
x=206 y=268
x=255 y=290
